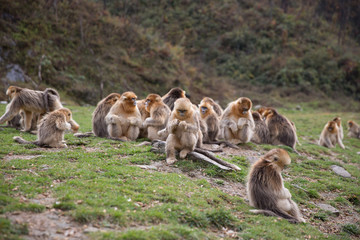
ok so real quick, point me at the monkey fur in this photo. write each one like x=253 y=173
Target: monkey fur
x=330 y=135
x=51 y=129
x=98 y=117
x=174 y=94
x=280 y=128
x=261 y=132
x=30 y=101
x=159 y=114
x=124 y=118
x=338 y=122
x=237 y=123
x=211 y=119
x=354 y=129
x=265 y=187
x=144 y=115
x=183 y=128
x=216 y=107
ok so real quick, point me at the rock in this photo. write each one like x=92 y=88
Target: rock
x=15 y=73
x=90 y=230
x=147 y=167
x=340 y=171
x=329 y=208
x=298 y=108
x=358 y=153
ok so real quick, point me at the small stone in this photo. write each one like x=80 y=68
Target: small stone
x=340 y=171
x=329 y=208
x=358 y=153
x=147 y=167
x=298 y=108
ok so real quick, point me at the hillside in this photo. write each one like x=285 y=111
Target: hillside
x=300 y=51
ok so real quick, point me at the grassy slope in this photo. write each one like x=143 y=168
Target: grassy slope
x=94 y=181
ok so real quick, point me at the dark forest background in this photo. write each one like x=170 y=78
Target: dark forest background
x=268 y=50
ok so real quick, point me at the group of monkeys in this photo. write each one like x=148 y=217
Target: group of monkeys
x=184 y=126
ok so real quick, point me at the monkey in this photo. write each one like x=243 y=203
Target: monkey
x=262 y=110
x=183 y=128
x=51 y=129
x=124 y=118
x=338 y=122
x=159 y=115
x=354 y=129
x=98 y=117
x=170 y=98
x=261 y=132
x=237 y=122
x=265 y=187
x=280 y=128
x=216 y=107
x=296 y=137
x=144 y=114
x=330 y=135
x=29 y=101
x=211 y=119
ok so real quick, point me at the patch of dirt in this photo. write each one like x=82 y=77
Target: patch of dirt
x=10 y=157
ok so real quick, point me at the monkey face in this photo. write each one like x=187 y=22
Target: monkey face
x=11 y=91
x=183 y=108
x=332 y=126
x=150 y=100
x=350 y=123
x=129 y=98
x=244 y=105
x=203 y=109
x=278 y=157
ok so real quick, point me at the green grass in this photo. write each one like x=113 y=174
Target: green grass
x=95 y=181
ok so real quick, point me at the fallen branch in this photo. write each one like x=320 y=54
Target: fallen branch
x=218 y=160
x=84 y=135
x=227 y=144
x=199 y=156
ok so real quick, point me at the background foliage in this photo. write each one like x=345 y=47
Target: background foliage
x=281 y=48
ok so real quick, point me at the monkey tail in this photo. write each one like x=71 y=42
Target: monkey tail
x=48 y=91
x=288 y=217
x=23 y=141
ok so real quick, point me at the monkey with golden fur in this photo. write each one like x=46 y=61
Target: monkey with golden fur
x=261 y=132
x=211 y=119
x=330 y=135
x=159 y=115
x=183 y=128
x=280 y=128
x=124 y=118
x=30 y=101
x=338 y=122
x=98 y=117
x=266 y=190
x=237 y=122
x=144 y=115
x=354 y=129
x=51 y=129
x=216 y=107
x=174 y=94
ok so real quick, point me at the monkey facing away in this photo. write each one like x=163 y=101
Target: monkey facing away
x=183 y=128
x=261 y=132
x=211 y=119
x=174 y=94
x=124 y=118
x=354 y=129
x=144 y=115
x=159 y=115
x=330 y=136
x=265 y=187
x=51 y=129
x=100 y=112
x=281 y=129
x=30 y=101
x=237 y=122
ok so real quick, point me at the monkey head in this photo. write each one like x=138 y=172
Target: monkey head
x=243 y=106
x=11 y=91
x=177 y=93
x=278 y=158
x=183 y=109
x=66 y=112
x=350 y=123
x=269 y=112
x=205 y=109
x=257 y=116
x=262 y=110
x=150 y=100
x=112 y=98
x=332 y=126
x=207 y=100
x=337 y=120
x=129 y=101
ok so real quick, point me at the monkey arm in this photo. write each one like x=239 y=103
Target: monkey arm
x=340 y=141
x=243 y=121
x=172 y=125
x=12 y=109
x=189 y=127
x=154 y=122
x=134 y=121
x=284 y=193
x=61 y=124
x=74 y=126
